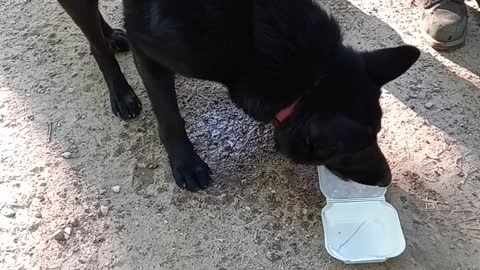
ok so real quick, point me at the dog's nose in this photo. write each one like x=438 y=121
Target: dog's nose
x=368 y=167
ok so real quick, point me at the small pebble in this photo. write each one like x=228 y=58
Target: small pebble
x=116 y=189
x=68 y=230
x=60 y=236
x=99 y=240
x=102 y=191
x=9 y=213
x=75 y=222
x=152 y=166
x=429 y=105
x=38 y=215
x=272 y=256
x=460 y=174
x=104 y=210
x=66 y=155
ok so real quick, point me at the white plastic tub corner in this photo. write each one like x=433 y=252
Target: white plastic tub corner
x=360 y=226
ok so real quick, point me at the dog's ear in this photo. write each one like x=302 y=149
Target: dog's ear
x=340 y=133
x=386 y=65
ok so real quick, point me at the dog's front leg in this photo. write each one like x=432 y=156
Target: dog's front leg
x=189 y=170
x=104 y=42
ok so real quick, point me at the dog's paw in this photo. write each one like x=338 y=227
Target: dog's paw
x=191 y=173
x=125 y=103
x=119 y=41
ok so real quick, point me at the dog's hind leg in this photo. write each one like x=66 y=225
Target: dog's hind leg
x=117 y=37
x=104 y=41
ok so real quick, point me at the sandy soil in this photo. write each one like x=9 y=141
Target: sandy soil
x=67 y=164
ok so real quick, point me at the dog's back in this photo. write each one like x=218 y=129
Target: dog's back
x=218 y=39
x=194 y=38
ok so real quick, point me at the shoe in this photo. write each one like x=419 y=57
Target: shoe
x=444 y=23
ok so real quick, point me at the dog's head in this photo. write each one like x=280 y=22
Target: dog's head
x=337 y=122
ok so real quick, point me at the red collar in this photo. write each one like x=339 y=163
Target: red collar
x=286 y=112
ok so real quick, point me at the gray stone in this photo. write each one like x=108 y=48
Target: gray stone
x=9 y=213
x=429 y=105
x=60 y=236
x=66 y=155
x=272 y=256
x=104 y=210
x=116 y=189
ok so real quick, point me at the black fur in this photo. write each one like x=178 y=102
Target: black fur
x=269 y=53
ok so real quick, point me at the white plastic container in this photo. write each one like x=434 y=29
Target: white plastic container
x=359 y=225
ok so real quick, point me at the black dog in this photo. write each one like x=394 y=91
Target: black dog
x=281 y=60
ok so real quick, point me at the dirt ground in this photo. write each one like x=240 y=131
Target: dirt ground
x=80 y=189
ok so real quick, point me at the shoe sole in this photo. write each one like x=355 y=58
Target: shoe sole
x=445 y=45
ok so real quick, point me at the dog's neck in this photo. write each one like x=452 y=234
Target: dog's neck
x=263 y=100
